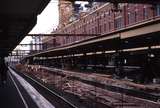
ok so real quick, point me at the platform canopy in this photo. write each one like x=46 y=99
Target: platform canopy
x=17 y=18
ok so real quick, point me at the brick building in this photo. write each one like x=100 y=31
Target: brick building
x=65 y=12
x=128 y=44
x=104 y=20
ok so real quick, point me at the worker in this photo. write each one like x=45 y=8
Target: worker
x=3 y=70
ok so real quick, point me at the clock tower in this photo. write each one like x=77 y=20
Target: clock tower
x=65 y=12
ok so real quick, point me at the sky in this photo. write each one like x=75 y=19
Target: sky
x=46 y=21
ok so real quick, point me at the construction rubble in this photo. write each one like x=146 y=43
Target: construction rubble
x=92 y=86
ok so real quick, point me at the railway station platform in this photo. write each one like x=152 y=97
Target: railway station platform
x=14 y=94
x=25 y=91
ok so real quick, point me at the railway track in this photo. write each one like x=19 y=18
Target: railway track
x=57 y=100
x=131 y=92
x=110 y=88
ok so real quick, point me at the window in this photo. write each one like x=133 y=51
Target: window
x=105 y=27
x=118 y=23
x=145 y=13
x=158 y=9
x=93 y=30
x=109 y=25
x=100 y=28
x=131 y=17
x=96 y=30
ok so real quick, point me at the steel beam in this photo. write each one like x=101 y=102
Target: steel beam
x=62 y=34
x=122 y=1
x=17 y=55
x=29 y=44
x=26 y=50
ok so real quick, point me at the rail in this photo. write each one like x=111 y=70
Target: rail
x=57 y=96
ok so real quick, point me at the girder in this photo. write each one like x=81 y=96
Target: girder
x=122 y=1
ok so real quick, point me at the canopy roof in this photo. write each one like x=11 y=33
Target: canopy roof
x=17 y=18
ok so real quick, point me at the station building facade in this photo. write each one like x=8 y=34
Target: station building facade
x=103 y=20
